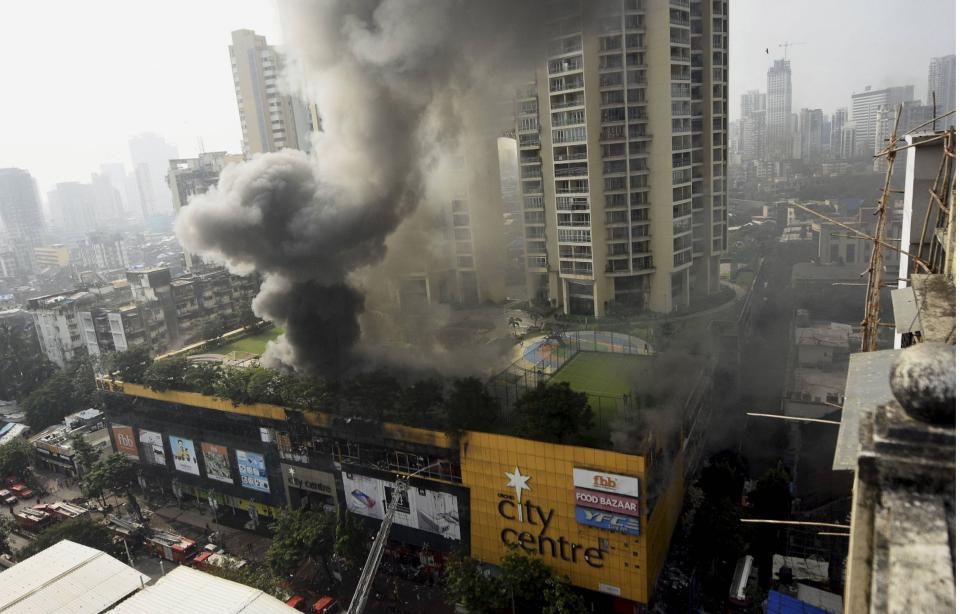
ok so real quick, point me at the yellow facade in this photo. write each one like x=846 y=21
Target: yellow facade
x=485 y=461
x=603 y=560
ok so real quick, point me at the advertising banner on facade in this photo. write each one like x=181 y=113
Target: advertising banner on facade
x=152 y=444
x=312 y=480
x=125 y=442
x=253 y=471
x=608 y=502
x=216 y=462
x=608 y=521
x=184 y=455
x=426 y=510
x=606 y=482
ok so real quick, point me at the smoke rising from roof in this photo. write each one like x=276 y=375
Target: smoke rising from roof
x=391 y=80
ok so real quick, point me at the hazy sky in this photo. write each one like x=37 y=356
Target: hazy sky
x=849 y=44
x=81 y=77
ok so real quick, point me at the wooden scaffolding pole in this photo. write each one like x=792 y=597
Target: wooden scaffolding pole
x=871 y=307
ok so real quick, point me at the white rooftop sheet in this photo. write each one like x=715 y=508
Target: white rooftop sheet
x=66 y=578
x=188 y=591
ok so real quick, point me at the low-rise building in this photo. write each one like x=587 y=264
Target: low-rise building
x=54 y=445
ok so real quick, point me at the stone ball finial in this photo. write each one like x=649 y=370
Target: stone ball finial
x=923 y=379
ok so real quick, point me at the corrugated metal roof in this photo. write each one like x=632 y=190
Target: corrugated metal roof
x=67 y=578
x=187 y=591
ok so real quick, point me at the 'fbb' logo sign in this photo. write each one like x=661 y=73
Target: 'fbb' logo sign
x=603 y=481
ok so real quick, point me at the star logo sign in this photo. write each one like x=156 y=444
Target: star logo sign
x=518 y=482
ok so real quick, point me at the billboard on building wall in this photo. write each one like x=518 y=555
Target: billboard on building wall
x=426 y=510
x=608 y=502
x=216 y=462
x=606 y=482
x=253 y=471
x=184 y=455
x=152 y=444
x=608 y=521
x=124 y=439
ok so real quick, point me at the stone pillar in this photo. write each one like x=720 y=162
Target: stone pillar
x=901 y=556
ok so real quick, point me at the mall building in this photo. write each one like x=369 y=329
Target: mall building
x=602 y=518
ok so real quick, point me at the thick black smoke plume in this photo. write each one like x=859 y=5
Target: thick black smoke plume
x=391 y=80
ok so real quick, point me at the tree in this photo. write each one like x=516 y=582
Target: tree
x=254 y=576
x=232 y=385
x=116 y=473
x=301 y=535
x=467 y=584
x=165 y=374
x=723 y=477
x=81 y=530
x=51 y=402
x=130 y=365
x=23 y=367
x=470 y=407
x=85 y=454
x=211 y=330
x=525 y=581
x=770 y=499
x=373 y=394
x=264 y=386
x=352 y=544
x=202 y=377
x=420 y=404
x=6 y=526
x=247 y=319
x=553 y=412
x=15 y=457
x=560 y=598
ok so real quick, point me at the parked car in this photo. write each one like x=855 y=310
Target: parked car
x=298 y=603
x=22 y=490
x=10 y=480
x=325 y=605
x=7 y=497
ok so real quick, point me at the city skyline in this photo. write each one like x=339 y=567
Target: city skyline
x=60 y=151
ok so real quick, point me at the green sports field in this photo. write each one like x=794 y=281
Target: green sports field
x=255 y=344
x=603 y=373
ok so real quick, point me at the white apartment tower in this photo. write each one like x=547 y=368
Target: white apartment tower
x=864 y=107
x=942 y=80
x=623 y=147
x=837 y=122
x=779 y=111
x=267 y=115
x=753 y=125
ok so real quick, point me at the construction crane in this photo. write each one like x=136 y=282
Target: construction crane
x=786 y=45
x=369 y=573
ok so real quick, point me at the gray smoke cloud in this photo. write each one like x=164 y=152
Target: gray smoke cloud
x=394 y=81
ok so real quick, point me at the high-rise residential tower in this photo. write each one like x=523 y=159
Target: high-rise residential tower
x=811 y=135
x=623 y=142
x=189 y=176
x=864 y=107
x=942 y=80
x=267 y=114
x=779 y=111
x=753 y=125
x=21 y=217
x=150 y=155
x=837 y=122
